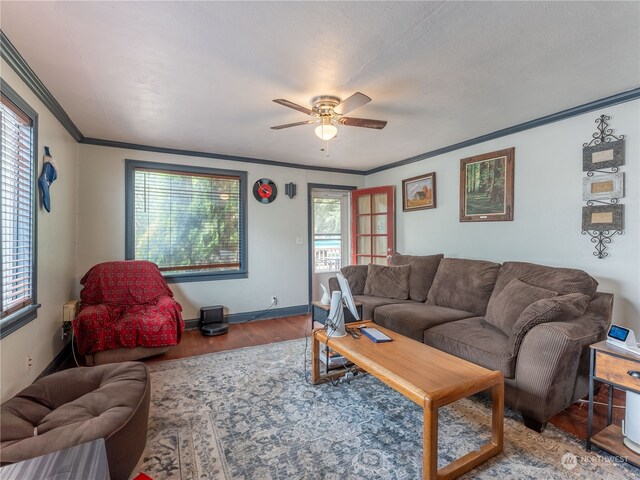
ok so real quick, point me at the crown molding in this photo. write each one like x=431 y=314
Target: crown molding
x=623 y=97
x=217 y=156
x=28 y=76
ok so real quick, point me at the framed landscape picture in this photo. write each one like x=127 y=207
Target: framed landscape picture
x=486 y=187
x=419 y=192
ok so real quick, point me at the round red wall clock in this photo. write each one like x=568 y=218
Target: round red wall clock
x=265 y=190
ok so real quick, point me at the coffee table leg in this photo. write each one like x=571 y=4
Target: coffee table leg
x=486 y=451
x=430 y=447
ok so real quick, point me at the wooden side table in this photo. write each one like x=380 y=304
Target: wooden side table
x=84 y=461
x=320 y=312
x=611 y=366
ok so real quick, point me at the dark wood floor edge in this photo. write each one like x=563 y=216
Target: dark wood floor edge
x=267 y=314
x=159 y=359
x=194 y=323
x=62 y=356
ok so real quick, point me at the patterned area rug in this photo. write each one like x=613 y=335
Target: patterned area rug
x=251 y=414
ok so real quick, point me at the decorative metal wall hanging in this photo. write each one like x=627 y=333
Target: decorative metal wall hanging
x=603 y=154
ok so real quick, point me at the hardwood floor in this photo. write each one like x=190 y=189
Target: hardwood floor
x=572 y=420
x=240 y=335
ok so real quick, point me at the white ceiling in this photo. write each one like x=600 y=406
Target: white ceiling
x=201 y=75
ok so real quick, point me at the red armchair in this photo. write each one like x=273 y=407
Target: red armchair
x=127 y=312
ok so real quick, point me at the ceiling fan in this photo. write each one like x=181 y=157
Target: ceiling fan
x=329 y=111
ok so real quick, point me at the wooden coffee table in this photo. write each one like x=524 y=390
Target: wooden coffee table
x=430 y=378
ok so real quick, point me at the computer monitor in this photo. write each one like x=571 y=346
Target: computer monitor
x=347 y=296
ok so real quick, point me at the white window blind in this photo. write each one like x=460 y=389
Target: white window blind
x=16 y=192
x=187 y=222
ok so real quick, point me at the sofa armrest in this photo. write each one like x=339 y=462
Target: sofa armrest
x=553 y=362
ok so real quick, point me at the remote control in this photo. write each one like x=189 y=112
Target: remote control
x=375 y=334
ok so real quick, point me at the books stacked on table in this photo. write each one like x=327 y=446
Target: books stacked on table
x=332 y=359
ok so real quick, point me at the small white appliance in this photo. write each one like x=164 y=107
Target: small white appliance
x=335 y=320
x=631 y=423
x=326 y=298
x=623 y=337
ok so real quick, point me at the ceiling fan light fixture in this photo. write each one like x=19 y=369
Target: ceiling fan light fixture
x=326 y=131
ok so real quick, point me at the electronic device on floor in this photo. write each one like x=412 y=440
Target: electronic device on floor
x=375 y=334
x=623 y=337
x=212 y=321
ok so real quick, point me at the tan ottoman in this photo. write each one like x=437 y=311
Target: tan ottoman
x=76 y=406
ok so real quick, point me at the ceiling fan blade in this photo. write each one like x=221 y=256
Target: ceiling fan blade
x=354 y=101
x=280 y=127
x=295 y=106
x=363 y=122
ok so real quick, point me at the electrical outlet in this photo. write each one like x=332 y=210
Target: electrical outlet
x=274 y=300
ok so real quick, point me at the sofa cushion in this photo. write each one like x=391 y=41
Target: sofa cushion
x=504 y=309
x=561 y=280
x=475 y=340
x=563 y=307
x=389 y=282
x=463 y=284
x=423 y=271
x=356 y=275
x=412 y=319
x=370 y=304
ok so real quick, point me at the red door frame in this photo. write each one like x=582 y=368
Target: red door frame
x=390 y=190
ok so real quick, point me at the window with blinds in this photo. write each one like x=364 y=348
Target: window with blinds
x=187 y=221
x=17 y=213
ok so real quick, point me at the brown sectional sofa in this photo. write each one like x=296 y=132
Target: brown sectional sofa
x=532 y=322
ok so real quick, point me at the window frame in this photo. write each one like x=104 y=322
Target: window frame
x=19 y=318
x=131 y=165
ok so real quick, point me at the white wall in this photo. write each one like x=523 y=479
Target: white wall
x=547 y=211
x=56 y=255
x=277 y=265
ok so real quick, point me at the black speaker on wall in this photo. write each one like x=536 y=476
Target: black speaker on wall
x=212 y=321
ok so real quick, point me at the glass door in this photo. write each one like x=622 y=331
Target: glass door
x=372 y=225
